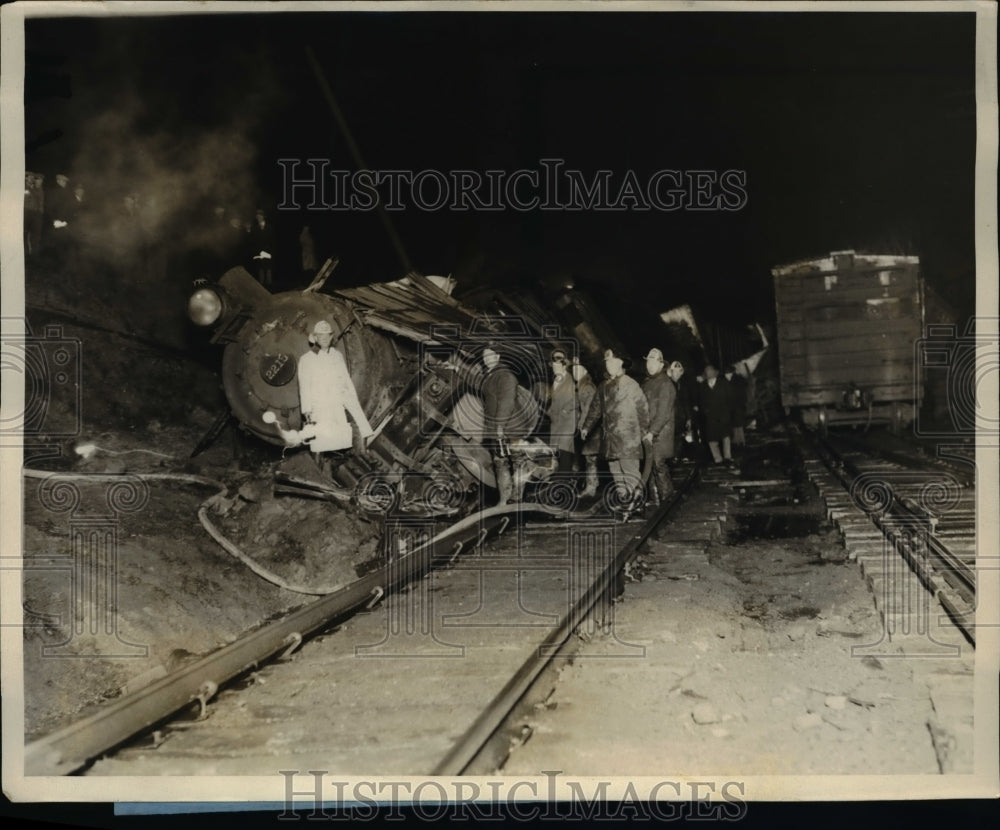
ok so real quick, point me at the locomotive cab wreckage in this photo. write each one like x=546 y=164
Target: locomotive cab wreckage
x=413 y=354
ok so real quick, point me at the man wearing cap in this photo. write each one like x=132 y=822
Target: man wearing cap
x=662 y=397
x=683 y=415
x=586 y=390
x=499 y=392
x=326 y=394
x=562 y=411
x=621 y=409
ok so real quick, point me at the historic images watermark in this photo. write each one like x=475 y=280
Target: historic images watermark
x=906 y=606
x=960 y=371
x=313 y=184
x=507 y=582
x=511 y=587
x=47 y=366
x=90 y=561
x=550 y=798
x=955 y=377
x=963 y=369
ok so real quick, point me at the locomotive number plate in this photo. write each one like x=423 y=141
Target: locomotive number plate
x=277 y=369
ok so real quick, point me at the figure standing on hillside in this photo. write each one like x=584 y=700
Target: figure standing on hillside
x=262 y=245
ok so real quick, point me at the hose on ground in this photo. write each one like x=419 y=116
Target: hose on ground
x=87 y=450
x=232 y=549
x=206 y=523
x=254 y=566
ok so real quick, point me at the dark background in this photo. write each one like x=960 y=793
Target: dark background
x=855 y=131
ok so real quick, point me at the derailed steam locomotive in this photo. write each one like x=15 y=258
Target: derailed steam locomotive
x=413 y=353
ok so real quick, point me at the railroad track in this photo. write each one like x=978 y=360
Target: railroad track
x=367 y=677
x=957 y=460
x=923 y=507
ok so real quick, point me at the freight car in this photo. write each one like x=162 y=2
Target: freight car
x=847 y=328
x=413 y=352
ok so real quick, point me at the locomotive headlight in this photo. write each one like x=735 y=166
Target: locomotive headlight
x=204 y=307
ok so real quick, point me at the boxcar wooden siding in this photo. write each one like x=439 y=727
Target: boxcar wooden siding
x=813 y=332
x=851 y=325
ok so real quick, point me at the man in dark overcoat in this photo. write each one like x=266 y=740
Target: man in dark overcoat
x=683 y=409
x=562 y=411
x=500 y=412
x=623 y=412
x=715 y=403
x=661 y=394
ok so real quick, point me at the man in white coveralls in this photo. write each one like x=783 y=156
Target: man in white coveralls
x=326 y=394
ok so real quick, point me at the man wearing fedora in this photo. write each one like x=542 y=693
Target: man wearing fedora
x=623 y=412
x=662 y=397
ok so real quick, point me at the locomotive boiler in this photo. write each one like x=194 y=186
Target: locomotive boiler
x=848 y=324
x=412 y=351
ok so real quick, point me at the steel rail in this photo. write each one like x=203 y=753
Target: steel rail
x=953 y=563
x=846 y=471
x=464 y=751
x=913 y=516
x=963 y=475
x=70 y=748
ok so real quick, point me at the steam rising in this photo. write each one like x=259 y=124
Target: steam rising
x=176 y=180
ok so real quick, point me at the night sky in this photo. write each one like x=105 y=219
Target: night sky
x=854 y=131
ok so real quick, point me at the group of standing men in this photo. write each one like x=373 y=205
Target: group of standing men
x=611 y=420
x=52 y=216
x=614 y=419
x=630 y=415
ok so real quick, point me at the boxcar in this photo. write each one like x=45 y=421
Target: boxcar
x=847 y=327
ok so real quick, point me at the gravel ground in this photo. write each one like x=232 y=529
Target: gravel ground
x=758 y=657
